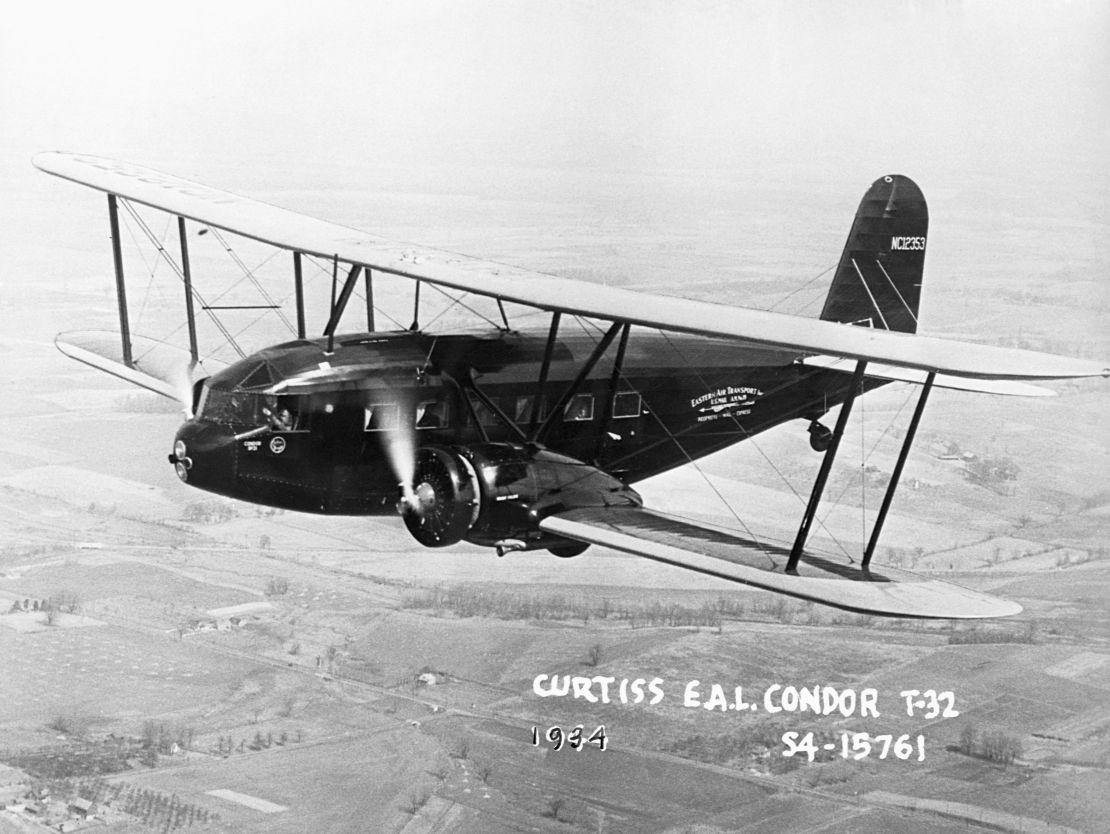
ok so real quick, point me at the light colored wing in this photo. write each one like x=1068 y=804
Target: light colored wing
x=1004 y=387
x=828 y=580
x=290 y=230
x=159 y=367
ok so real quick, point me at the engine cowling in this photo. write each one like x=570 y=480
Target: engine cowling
x=493 y=493
x=445 y=501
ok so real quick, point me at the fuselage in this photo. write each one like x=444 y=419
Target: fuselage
x=299 y=427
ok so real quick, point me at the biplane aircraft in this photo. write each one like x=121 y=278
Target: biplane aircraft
x=531 y=438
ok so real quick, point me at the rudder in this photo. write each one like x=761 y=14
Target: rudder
x=878 y=280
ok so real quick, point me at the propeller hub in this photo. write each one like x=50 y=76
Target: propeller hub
x=424 y=498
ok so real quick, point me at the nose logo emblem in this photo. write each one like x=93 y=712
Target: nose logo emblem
x=277 y=445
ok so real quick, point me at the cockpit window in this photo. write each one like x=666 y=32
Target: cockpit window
x=259 y=377
x=232 y=407
x=241 y=409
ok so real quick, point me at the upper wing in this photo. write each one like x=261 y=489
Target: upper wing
x=1003 y=387
x=829 y=580
x=290 y=230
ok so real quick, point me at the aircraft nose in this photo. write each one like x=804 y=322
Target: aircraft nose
x=180 y=460
x=203 y=456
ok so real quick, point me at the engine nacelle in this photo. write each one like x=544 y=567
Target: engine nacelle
x=445 y=501
x=498 y=492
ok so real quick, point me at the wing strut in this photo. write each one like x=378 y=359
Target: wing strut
x=826 y=467
x=334 y=280
x=298 y=286
x=341 y=304
x=611 y=394
x=556 y=413
x=472 y=389
x=187 y=277
x=897 y=473
x=545 y=366
x=369 y=300
x=121 y=289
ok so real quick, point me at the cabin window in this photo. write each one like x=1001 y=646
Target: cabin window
x=522 y=411
x=485 y=414
x=580 y=408
x=627 y=404
x=381 y=416
x=432 y=414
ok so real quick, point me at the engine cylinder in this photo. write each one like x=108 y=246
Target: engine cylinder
x=445 y=499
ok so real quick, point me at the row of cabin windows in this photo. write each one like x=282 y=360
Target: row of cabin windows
x=284 y=413
x=579 y=409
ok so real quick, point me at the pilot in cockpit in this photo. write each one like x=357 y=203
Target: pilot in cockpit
x=279 y=417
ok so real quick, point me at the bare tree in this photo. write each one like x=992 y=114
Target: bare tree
x=462 y=749
x=417 y=800
x=967 y=739
x=554 y=806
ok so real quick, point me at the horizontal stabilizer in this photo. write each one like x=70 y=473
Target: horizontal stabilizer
x=159 y=367
x=1003 y=387
x=830 y=580
x=290 y=230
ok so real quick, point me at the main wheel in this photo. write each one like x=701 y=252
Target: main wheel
x=820 y=437
x=568 y=550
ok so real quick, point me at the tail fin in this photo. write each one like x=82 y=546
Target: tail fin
x=878 y=279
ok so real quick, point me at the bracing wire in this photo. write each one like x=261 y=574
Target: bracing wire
x=874 y=446
x=151 y=270
x=689 y=458
x=457 y=301
x=790 y=295
x=358 y=295
x=755 y=445
x=177 y=271
x=250 y=275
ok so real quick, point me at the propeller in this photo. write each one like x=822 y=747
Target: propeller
x=399 y=443
x=180 y=379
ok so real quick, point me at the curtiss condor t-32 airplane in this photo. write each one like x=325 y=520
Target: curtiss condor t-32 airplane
x=525 y=439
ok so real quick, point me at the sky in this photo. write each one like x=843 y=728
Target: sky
x=692 y=85
x=579 y=103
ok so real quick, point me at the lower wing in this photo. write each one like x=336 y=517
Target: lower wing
x=157 y=366
x=835 y=581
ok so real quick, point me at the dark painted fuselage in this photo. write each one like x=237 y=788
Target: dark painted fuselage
x=296 y=427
